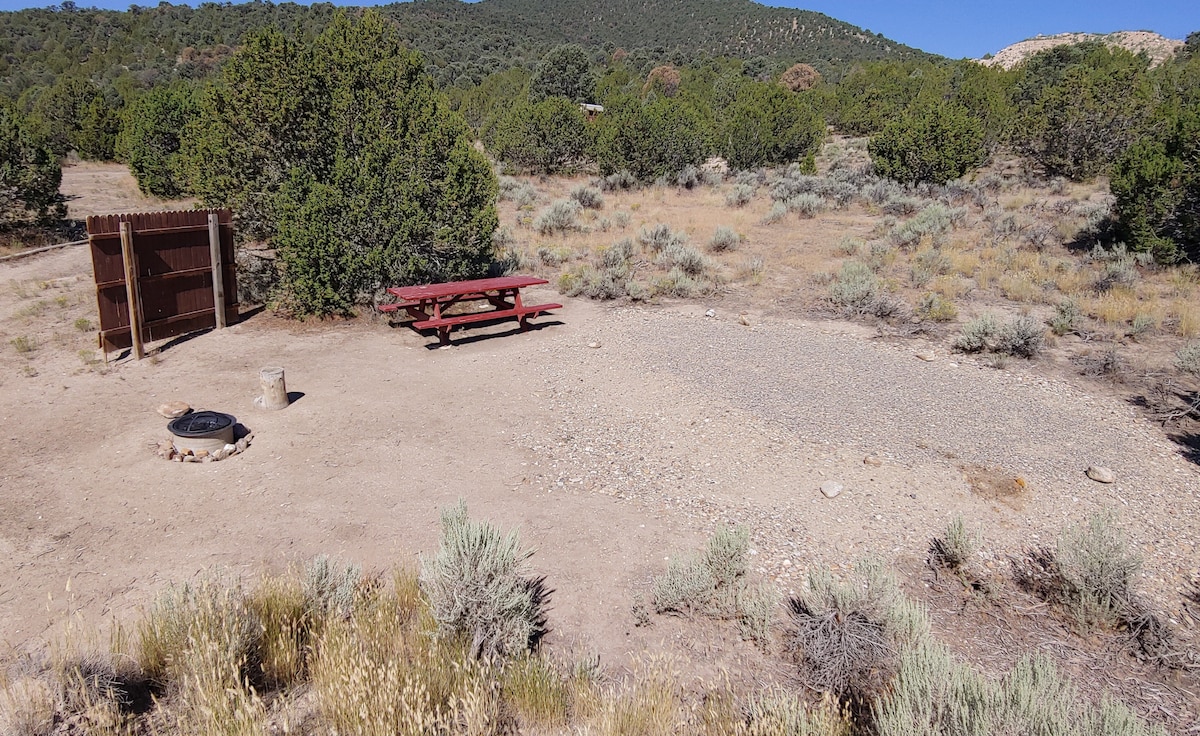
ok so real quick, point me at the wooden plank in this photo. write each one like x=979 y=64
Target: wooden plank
x=214 y=249
x=462 y=319
x=452 y=288
x=131 y=289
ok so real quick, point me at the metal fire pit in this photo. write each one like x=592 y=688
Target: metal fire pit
x=203 y=430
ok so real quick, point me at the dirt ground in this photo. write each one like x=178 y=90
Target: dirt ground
x=611 y=438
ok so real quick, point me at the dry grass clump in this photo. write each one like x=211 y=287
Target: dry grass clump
x=956 y=547
x=714 y=583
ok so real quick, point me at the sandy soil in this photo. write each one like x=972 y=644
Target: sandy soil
x=607 y=459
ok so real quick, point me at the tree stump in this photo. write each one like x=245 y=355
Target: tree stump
x=274 y=390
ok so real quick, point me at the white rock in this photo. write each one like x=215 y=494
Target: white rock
x=711 y=313
x=873 y=460
x=1101 y=475
x=594 y=344
x=830 y=489
x=927 y=356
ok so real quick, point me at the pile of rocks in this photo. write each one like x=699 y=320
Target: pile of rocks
x=169 y=450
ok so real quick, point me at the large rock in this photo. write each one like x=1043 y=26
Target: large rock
x=174 y=409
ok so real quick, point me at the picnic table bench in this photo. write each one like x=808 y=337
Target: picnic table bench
x=427 y=304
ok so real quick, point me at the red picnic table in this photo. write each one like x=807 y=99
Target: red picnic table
x=427 y=304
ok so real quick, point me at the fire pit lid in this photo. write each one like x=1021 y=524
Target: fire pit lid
x=200 y=424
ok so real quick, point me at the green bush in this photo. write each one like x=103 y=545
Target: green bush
x=478 y=588
x=152 y=126
x=353 y=202
x=29 y=173
x=650 y=139
x=546 y=137
x=563 y=72
x=937 y=144
x=768 y=125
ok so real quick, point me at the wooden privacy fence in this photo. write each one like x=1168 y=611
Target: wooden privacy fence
x=159 y=275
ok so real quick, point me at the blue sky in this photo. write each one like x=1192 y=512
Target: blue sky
x=967 y=28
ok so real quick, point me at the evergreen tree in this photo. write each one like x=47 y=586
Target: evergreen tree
x=936 y=144
x=29 y=173
x=564 y=72
x=344 y=154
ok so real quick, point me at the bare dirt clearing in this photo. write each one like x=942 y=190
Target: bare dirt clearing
x=607 y=459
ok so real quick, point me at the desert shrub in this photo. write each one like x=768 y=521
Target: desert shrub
x=660 y=237
x=1105 y=363
x=622 y=219
x=937 y=695
x=1187 y=359
x=684 y=257
x=618 y=180
x=478 y=588
x=330 y=586
x=792 y=183
x=901 y=204
x=936 y=308
x=858 y=291
x=806 y=204
x=934 y=221
x=1099 y=568
x=688 y=177
x=617 y=255
x=553 y=256
x=598 y=283
x=848 y=245
x=678 y=283
x=879 y=191
x=739 y=195
x=562 y=215
x=1118 y=272
x=1066 y=315
x=977 y=335
x=588 y=197
x=724 y=238
x=844 y=636
x=522 y=193
x=1023 y=337
x=956 y=547
x=714 y=583
x=841 y=193
x=777 y=212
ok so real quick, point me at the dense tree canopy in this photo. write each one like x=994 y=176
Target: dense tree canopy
x=343 y=153
x=29 y=173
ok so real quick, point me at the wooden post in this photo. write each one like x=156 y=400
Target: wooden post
x=214 y=249
x=131 y=288
x=274 y=389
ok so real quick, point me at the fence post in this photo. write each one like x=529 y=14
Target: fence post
x=214 y=249
x=131 y=288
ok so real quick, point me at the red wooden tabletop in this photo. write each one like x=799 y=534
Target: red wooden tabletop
x=452 y=288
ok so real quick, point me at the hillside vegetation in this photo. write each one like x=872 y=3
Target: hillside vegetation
x=463 y=42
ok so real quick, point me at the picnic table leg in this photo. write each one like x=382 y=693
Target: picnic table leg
x=444 y=335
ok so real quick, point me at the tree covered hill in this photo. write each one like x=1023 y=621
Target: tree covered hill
x=462 y=42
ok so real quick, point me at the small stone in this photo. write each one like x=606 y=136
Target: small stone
x=830 y=489
x=711 y=313
x=230 y=449
x=219 y=455
x=242 y=444
x=174 y=409
x=744 y=320
x=873 y=460
x=202 y=453
x=594 y=344
x=191 y=459
x=927 y=356
x=1101 y=475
